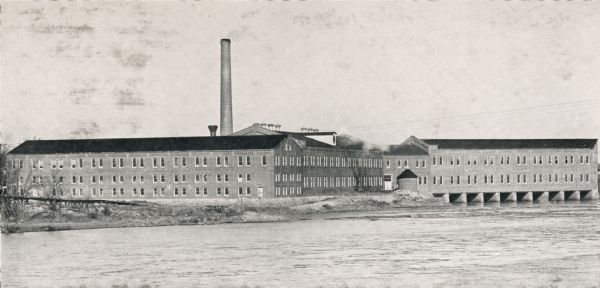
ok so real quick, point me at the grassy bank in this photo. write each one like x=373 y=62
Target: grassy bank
x=41 y=217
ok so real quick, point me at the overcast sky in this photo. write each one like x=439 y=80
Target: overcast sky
x=378 y=71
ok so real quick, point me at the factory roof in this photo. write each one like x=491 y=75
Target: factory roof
x=404 y=149
x=512 y=143
x=148 y=144
x=257 y=130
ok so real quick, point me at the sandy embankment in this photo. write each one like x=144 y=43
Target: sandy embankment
x=38 y=216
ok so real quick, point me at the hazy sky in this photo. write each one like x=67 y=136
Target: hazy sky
x=380 y=71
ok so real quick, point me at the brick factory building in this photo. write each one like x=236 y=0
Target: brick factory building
x=226 y=166
x=560 y=168
x=262 y=161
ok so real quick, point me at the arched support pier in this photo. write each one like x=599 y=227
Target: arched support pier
x=556 y=196
x=572 y=195
x=524 y=196
x=589 y=195
x=475 y=198
x=491 y=197
x=540 y=196
x=508 y=196
x=458 y=197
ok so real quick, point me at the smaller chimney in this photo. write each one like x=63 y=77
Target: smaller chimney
x=213 y=130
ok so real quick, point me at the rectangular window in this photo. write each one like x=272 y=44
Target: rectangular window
x=248 y=178
x=226 y=191
x=162 y=178
x=197 y=191
x=141 y=163
x=205 y=191
x=226 y=163
x=183 y=191
x=241 y=177
x=183 y=162
x=154 y=162
x=101 y=163
x=175 y=178
x=240 y=161
x=205 y=178
x=93 y=163
x=204 y=161
x=121 y=162
x=176 y=192
x=248 y=161
x=218 y=161
x=114 y=162
x=134 y=163
x=249 y=191
x=175 y=161
x=162 y=162
x=197 y=161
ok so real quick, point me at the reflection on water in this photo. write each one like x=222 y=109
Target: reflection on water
x=463 y=245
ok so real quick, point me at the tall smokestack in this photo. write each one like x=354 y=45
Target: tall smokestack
x=226 y=113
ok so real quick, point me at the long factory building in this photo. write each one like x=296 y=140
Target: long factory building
x=258 y=162
x=262 y=161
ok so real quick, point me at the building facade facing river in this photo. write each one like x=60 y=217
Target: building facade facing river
x=179 y=167
x=498 y=169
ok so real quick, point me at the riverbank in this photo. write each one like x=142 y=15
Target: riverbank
x=42 y=217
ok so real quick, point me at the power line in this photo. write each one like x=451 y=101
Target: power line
x=480 y=114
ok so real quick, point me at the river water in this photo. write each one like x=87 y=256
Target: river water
x=525 y=245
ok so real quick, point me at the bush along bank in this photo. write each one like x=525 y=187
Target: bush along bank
x=38 y=216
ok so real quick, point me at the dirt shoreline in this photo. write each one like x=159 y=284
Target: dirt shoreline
x=37 y=217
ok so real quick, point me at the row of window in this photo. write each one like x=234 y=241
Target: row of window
x=99 y=179
x=137 y=162
x=282 y=191
x=327 y=161
x=405 y=164
x=505 y=179
x=343 y=181
x=505 y=160
x=288 y=177
x=157 y=191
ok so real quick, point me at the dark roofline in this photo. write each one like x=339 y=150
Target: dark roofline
x=574 y=143
x=121 y=145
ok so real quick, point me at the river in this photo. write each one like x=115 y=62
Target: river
x=525 y=245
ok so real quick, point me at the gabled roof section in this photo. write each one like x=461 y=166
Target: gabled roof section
x=407 y=174
x=405 y=150
x=255 y=130
x=512 y=143
x=148 y=144
x=300 y=137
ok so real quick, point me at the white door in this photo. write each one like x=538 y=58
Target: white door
x=387 y=182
